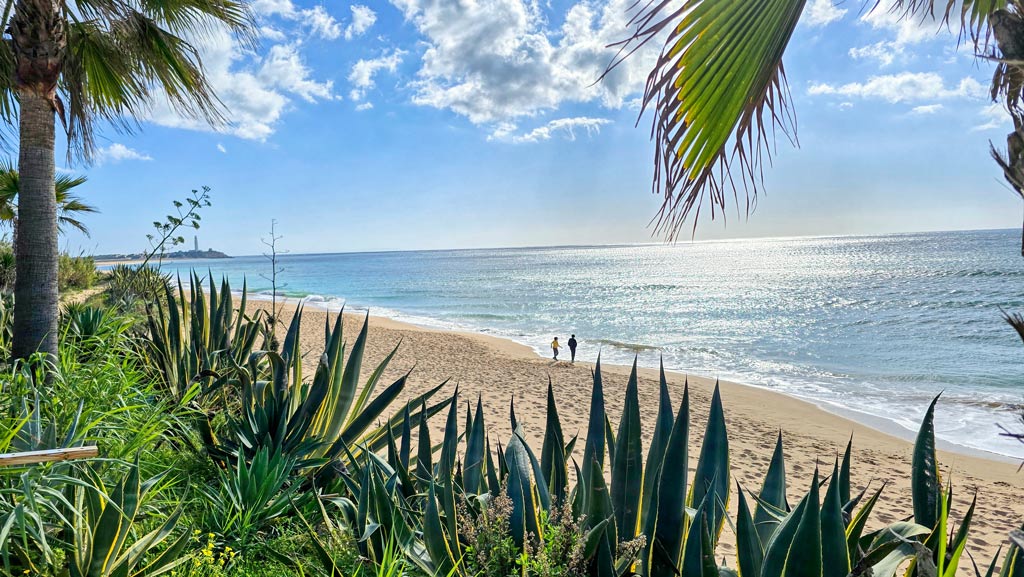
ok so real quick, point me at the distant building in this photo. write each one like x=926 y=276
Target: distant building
x=196 y=237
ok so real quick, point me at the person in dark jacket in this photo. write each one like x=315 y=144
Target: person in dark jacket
x=572 y=347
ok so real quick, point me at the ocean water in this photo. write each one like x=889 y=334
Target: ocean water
x=872 y=326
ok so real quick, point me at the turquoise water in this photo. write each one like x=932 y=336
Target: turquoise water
x=873 y=325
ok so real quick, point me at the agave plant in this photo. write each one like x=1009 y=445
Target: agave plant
x=193 y=337
x=128 y=285
x=249 y=496
x=320 y=423
x=416 y=497
x=105 y=525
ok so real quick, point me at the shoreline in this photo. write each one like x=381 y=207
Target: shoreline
x=880 y=427
x=862 y=418
x=500 y=372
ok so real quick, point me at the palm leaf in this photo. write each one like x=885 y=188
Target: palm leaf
x=717 y=88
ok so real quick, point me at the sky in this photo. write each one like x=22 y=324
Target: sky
x=423 y=124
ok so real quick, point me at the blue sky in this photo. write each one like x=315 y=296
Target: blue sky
x=421 y=124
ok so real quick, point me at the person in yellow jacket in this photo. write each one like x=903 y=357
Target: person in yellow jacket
x=554 y=347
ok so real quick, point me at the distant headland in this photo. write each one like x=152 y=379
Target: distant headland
x=176 y=255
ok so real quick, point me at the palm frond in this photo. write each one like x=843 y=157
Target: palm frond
x=970 y=16
x=717 y=90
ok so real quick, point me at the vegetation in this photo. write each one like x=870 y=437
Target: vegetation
x=222 y=459
x=89 y=61
x=70 y=207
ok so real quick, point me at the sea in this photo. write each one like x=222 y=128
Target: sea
x=870 y=327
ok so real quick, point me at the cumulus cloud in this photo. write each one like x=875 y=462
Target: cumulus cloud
x=322 y=24
x=903 y=32
x=496 y=61
x=363 y=71
x=117 y=152
x=567 y=127
x=884 y=52
x=926 y=109
x=221 y=148
x=993 y=117
x=364 y=106
x=271 y=33
x=904 y=87
x=283 y=68
x=255 y=90
x=823 y=13
x=362 y=19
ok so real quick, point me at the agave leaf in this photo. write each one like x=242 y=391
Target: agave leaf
x=627 y=466
x=433 y=534
x=711 y=479
x=844 y=474
x=959 y=542
x=656 y=453
x=777 y=549
x=749 y=552
x=472 y=478
x=667 y=539
x=593 y=449
x=773 y=493
x=493 y=481
x=599 y=506
x=424 y=456
x=835 y=555
x=857 y=523
x=925 y=480
x=350 y=377
x=520 y=489
x=552 y=454
x=805 y=555
x=543 y=496
x=450 y=442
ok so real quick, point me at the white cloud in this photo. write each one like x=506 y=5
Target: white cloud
x=823 y=13
x=884 y=52
x=221 y=148
x=845 y=105
x=255 y=90
x=364 y=106
x=903 y=33
x=362 y=19
x=925 y=109
x=274 y=7
x=363 y=71
x=904 y=87
x=911 y=30
x=564 y=126
x=271 y=33
x=283 y=68
x=321 y=24
x=499 y=60
x=117 y=152
x=994 y=116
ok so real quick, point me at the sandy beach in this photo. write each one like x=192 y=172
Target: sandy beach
x=498 y=370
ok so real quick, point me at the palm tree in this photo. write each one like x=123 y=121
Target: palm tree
x=69 y=206
x=719 y=92
x=88 y=61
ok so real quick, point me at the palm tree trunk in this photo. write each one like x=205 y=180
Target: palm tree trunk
x=39 y=42
x=35 y=286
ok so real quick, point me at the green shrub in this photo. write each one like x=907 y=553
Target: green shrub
x=130 y=287
x=75 y=272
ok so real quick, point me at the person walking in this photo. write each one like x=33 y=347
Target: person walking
x=572 y=348
x=554 y=347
